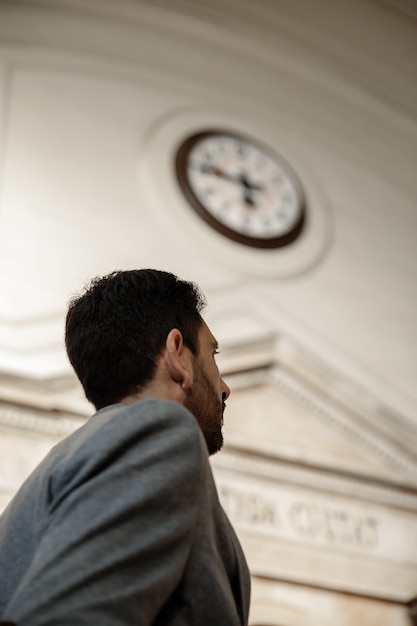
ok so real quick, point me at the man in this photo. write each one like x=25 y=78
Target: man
x=121 y=524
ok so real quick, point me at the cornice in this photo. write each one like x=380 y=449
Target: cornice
x=336 y=417
x=271 y=469
x=344 y=423
x=45 y=423
x=59 y=423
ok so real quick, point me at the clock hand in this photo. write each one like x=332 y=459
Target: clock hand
x=206 y=168
x=249 y=200
x=248 y=185
x=241 y=179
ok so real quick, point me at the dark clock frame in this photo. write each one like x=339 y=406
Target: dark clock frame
x=181 y=164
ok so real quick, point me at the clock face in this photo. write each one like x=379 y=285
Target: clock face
x=241 y=189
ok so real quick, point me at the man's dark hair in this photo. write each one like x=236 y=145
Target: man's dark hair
x=116 y=330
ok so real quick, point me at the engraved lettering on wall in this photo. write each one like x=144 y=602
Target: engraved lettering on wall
x=249 y=507
x=333 y=525
x=288 y=517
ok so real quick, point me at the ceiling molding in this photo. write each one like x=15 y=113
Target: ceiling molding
x=275 y=470
x=288 y=39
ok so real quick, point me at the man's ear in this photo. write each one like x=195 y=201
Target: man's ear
x=178 y=359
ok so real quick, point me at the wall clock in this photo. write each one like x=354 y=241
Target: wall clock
x=241 y=189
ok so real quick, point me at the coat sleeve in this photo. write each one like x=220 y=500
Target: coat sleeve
x=122 y=510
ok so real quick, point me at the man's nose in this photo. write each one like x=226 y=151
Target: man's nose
x=225 y=390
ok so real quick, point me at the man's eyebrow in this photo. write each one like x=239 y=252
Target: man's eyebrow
x=215 y=344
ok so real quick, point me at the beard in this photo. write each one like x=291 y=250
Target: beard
x=207 y=408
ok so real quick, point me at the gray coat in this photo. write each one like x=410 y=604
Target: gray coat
x=121 y=525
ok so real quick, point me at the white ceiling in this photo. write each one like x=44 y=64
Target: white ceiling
x=96 y=95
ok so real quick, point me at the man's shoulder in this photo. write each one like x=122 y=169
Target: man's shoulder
x=152 y=422
x=152 y=435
